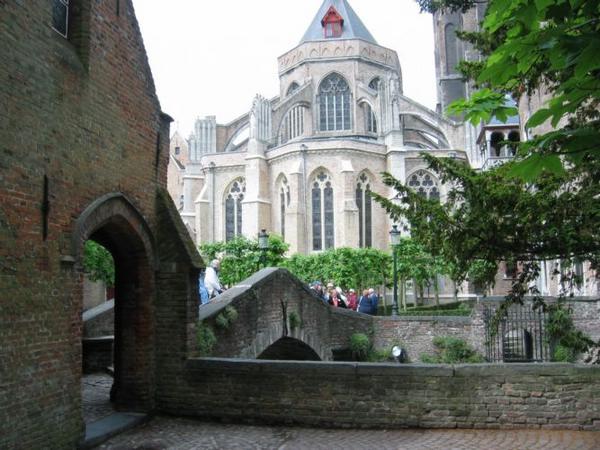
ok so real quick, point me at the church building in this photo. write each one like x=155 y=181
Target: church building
x=302 y=164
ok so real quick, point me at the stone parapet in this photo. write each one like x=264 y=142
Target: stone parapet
x=546 y=396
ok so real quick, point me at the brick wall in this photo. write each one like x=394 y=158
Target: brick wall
x=548 y=396
x=415 y=334
x=83 y=113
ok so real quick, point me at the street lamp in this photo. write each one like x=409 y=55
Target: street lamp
x=395 y=235
x=263 y=246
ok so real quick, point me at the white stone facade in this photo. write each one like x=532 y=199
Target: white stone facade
x=281 y=146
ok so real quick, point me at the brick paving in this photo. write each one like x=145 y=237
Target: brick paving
x=95 y=393
x=182 y=433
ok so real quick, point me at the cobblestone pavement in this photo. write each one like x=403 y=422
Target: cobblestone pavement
x=179 y=433
x=95 y=393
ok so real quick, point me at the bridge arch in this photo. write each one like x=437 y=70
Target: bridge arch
x=289 y=349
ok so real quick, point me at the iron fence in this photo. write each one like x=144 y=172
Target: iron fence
x=518 y=335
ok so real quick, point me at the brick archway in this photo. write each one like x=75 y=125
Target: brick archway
x=115 y=223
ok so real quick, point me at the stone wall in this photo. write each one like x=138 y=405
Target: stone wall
x=416 y=334
x=547 y=396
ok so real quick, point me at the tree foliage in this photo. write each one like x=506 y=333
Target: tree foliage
x=547 y=46
x=241 y=257
x=98 y=263
x=490 y=217
x=347 y=267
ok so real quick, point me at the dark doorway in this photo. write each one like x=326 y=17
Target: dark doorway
x=115 y=224
x=289 y=349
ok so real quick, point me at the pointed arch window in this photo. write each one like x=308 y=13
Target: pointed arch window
x=233 y=209
x=425 y=184
x=284 y=203
x=322 y=212
x=293 y=124
x=374 y=84
x=334 y=104
x=365 y=218
x=370 y=119
x=293 y=88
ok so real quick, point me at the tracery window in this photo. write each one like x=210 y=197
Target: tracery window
x=233 y=209
x=322 y=212
x=284 y=203
x=60 y=16
x=425 y=184
x=293 y=124
x=365 y=220
x=334 y=104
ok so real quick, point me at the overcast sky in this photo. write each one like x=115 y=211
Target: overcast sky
x=212 y=57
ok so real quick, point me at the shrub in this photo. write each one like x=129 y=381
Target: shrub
x=222 y=321
x=205 y=339
x=360 y=345
x=231 y=314
x=564 y=354
x=561 y=331
x=295 y=321
x=226 y=318
x=450 y=350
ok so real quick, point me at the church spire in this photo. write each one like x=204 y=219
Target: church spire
x=337 y=20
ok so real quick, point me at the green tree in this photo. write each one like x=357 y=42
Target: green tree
x=545 y=204
x=350 y=268
x=98 y=263
x=550 y=46
x=241 y=257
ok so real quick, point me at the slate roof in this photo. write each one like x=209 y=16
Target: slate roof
x=353 y=28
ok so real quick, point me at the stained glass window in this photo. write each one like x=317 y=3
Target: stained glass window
x=425 y=184
x=60 y=16
x=363 y=202
x=233 y=209
x=322 y=212
x=334 y=104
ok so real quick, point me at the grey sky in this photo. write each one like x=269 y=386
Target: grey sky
x=212 y=57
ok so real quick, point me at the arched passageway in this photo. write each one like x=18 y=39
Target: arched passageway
x=114 y=223
x=289 y=349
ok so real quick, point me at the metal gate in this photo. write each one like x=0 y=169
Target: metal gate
x=519 y=335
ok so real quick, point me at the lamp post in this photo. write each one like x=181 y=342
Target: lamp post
x=263 y=246
x=395 y=234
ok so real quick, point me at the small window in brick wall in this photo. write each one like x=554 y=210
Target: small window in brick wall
x=60 y=16
x=177 y=150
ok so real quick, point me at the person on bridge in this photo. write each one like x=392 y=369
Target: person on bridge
x=335 y=300
x=211 y=279
x=365 y=303
x=352 y=300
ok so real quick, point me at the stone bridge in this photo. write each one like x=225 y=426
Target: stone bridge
x=281 y=318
